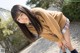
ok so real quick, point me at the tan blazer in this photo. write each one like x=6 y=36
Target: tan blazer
x=52 y=22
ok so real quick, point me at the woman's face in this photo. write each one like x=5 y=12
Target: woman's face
x=22 y=18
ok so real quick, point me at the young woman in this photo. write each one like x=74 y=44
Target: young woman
x=38 y=22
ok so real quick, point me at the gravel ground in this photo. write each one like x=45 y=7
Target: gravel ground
x=75 y=35
x=45 y=46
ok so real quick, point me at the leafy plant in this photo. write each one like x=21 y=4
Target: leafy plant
x=71 y=10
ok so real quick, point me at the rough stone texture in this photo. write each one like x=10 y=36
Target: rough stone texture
x=45 y=46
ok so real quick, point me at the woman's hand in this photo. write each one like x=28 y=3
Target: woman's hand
x=64 y=42
x=61 y=46
x=67 y=45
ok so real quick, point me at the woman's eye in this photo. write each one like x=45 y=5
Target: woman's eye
x=21 y=14
x=18 y=19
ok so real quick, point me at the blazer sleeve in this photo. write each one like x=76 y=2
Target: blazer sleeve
x=60 y=18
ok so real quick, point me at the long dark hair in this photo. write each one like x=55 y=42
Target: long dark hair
x=35 y=22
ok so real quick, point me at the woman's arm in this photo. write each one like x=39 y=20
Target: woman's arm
x=67 y=41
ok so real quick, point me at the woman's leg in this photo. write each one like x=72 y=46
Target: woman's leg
x=67 y=42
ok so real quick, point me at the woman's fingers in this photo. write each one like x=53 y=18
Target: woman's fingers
x=60 y=44
x=64 y=43
x=63 y=48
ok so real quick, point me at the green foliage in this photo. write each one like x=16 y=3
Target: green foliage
x=7 y=32
x=18 y=40
x=40 y=3
x=9 y=29
x=72 y=10
x=4 y=31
